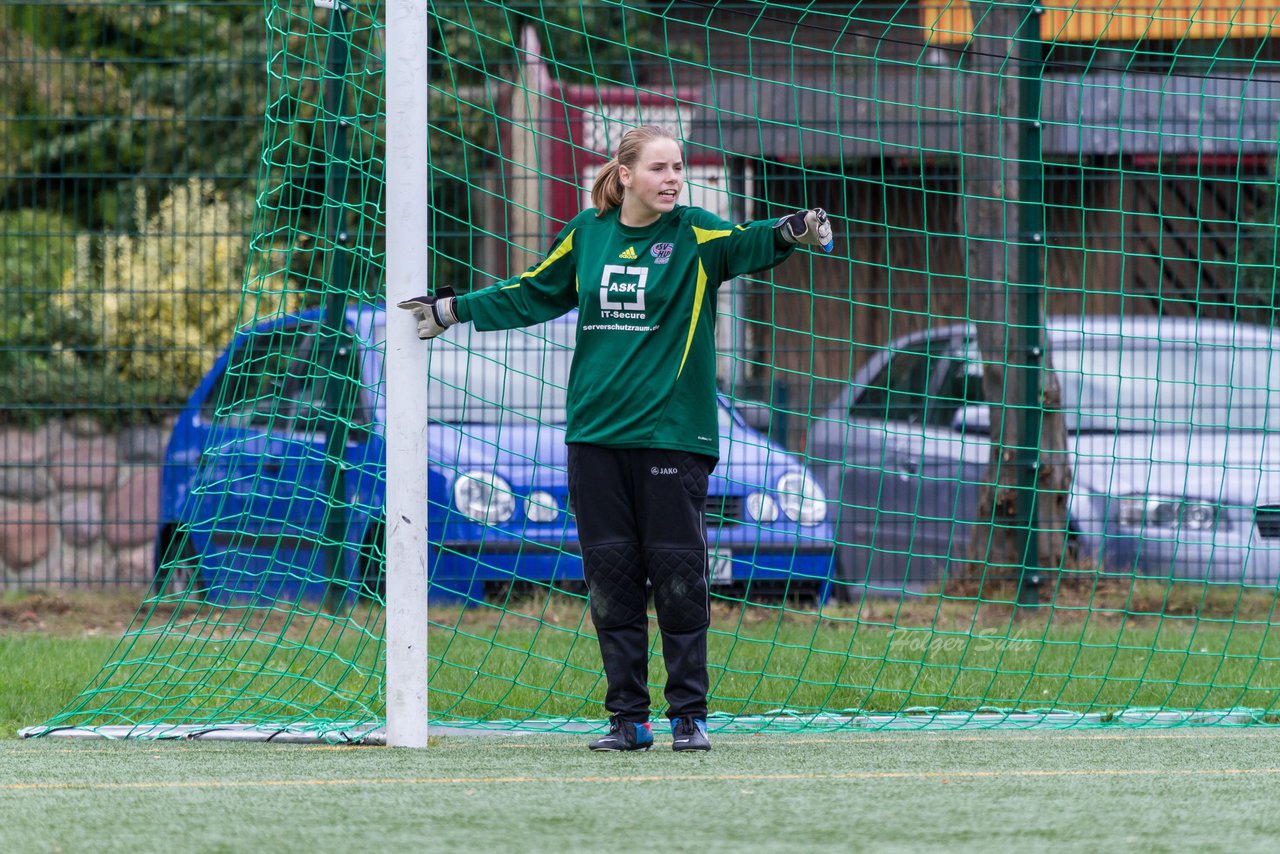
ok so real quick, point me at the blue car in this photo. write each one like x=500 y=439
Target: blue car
x=254 y=508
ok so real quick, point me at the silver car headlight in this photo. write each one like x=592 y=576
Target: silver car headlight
x=541 y=506
x=484 y=497
x=1162 y=511
x=801 y=499
x=761 y=507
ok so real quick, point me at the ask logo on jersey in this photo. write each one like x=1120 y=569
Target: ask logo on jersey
x=622 y=292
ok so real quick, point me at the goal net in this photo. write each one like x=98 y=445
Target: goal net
x=1005 y=457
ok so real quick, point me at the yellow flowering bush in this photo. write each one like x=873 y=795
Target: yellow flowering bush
x=165 y=301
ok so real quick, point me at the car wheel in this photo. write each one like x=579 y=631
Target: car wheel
x=178 y=570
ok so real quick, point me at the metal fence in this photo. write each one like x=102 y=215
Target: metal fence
x=131 y=135
x=134 y=162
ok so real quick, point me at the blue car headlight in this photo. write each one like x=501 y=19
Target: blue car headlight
x=1165 y=511
x=801 y=499
x=484 y=497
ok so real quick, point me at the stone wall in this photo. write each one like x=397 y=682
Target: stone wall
x=79 y=504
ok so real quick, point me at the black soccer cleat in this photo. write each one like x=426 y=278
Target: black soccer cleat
x=689 y=733
x=624 y=735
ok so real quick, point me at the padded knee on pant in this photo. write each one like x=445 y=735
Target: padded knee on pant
x=616 y=581
x=679 y=588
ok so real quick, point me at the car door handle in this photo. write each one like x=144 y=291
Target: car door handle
x=902 y=462
x=904 y=469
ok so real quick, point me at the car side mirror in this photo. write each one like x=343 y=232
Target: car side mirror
x=973 y=418
x=759 y=416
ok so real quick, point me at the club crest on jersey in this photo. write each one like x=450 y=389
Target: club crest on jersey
x=661 y=252
x=629 y=254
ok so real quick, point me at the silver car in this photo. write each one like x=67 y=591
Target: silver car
x=1173 y=438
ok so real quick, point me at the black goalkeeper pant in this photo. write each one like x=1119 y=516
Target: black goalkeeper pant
x=641 y=518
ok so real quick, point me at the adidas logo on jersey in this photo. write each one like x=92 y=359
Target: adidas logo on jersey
x=629 y=254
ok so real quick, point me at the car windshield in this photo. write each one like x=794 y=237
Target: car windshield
x=1168 y=386
x=284 y=378
x=514 y=376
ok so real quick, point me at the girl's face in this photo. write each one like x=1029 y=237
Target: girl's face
x=653 y=184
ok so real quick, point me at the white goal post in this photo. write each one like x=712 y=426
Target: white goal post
x=407 y=195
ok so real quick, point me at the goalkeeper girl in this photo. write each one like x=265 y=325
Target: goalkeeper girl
x=642 y=427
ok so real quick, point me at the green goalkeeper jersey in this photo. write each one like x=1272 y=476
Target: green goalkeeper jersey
x=644 y=367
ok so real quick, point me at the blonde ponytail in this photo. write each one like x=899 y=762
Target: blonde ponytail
x=607 y=190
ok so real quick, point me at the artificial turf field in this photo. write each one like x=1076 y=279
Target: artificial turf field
x=1184 y=789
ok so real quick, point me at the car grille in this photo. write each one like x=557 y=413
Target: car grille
x=1267 y=518
x=721 y=509
x=724 y=508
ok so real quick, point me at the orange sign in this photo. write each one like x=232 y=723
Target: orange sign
x=950 y=21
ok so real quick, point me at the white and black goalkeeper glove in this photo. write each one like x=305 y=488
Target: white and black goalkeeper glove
x=808 y=228
x=434 y=314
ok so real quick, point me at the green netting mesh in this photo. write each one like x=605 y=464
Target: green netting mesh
x=1025 y=410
